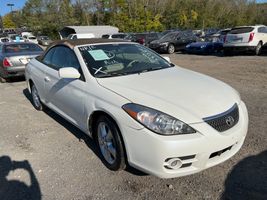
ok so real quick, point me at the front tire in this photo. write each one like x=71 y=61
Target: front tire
x=110 y=144
x=171 y=49
x=36 y=102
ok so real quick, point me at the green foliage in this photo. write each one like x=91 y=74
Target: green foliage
x=49 y=16
x=8 y=22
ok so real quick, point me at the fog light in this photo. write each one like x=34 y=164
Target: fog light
x=173 y=163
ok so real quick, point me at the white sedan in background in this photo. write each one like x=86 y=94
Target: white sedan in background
x=31 y=38
x=138 y=107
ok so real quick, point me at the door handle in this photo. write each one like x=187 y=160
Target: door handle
x=47 y=79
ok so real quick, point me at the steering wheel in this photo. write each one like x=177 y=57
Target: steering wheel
x=131 y=63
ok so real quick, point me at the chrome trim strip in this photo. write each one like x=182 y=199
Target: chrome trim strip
x=221 y=114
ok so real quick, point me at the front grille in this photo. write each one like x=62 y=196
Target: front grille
x=224 y=121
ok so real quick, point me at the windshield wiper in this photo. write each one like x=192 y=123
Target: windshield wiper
x=148 y=70
x=130 y=72
x=99 y=70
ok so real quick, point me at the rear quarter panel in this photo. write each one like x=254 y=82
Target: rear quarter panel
x=35 y=71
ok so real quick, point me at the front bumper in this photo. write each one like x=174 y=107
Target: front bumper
x=159 y=48
x=13 y=71
x=149 y=152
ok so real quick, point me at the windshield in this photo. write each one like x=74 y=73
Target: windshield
x=108 y=60
x=15 y=48
x=171 y=36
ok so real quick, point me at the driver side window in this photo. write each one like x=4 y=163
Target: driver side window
x=64 y=57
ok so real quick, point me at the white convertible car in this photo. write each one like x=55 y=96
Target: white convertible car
x=139 y=108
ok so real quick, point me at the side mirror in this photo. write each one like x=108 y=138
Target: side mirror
x=167 y=58
x=69 y=72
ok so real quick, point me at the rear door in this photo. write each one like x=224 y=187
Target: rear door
x=65 y=96
x=239 y=35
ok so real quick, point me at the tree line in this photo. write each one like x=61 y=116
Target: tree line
x=49 y=16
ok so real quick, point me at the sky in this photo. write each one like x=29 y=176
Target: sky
x=18 y=4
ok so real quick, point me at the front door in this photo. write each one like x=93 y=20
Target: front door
x=65 y=96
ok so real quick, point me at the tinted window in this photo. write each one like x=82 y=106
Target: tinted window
x=15 y=48
x=170 y=36
x=118 y=36
x=241 y=30
x=224 y=32
x=262 y=30
x=64 y=57
x=4 y=40
x=48 y=56
x=105 y=36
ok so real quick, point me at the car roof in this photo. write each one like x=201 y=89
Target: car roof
x=78 y=42
x=253 y=26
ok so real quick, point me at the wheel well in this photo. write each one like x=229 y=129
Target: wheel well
x=92 y=127
x=93 y=118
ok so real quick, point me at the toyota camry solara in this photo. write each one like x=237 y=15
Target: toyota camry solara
x=139 y=108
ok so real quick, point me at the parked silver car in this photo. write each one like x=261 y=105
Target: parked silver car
x=14 y=56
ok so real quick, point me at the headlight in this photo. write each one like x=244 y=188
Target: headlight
x=187 y=46
x=164 y=44
x=157 y=121
x=202 y=46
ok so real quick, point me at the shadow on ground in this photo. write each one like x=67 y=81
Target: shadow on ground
x=15 y=189
x=79 y=134
x=248 y=179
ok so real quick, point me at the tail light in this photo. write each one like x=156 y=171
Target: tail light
x=251 y=36
x=142 y=40
x=7 y=63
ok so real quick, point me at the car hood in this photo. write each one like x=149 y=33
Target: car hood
x=184 y=94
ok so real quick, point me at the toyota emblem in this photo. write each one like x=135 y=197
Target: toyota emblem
x=230 y=121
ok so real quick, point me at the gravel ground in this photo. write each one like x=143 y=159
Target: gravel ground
x=51 y=159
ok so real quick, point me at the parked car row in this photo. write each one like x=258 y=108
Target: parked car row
x=26 y=37
x=227 y=41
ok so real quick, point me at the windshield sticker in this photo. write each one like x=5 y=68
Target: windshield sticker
x=98 y=55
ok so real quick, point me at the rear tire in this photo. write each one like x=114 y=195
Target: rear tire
x=36 y=102
x=171 y=49
x=258 y=49
x=3 y=80
x=110 y=144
